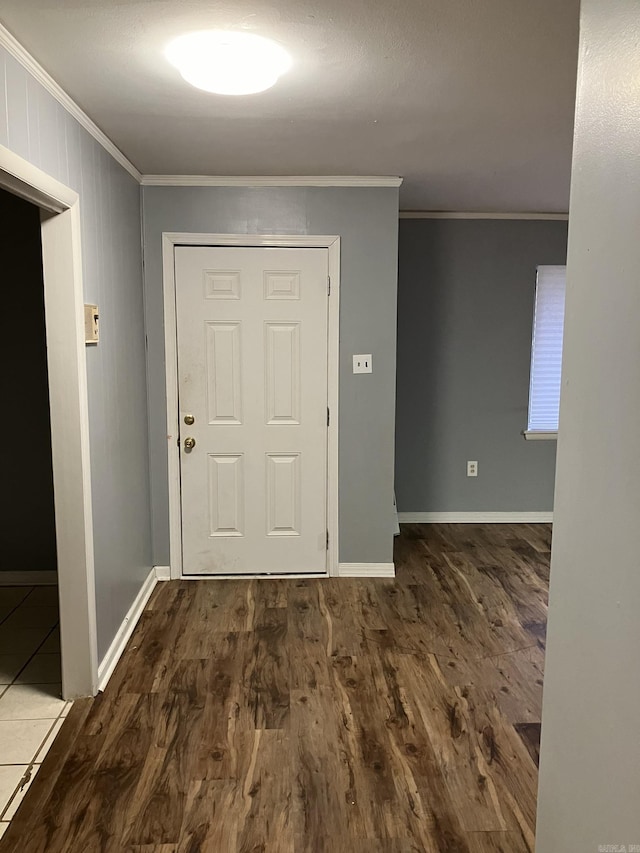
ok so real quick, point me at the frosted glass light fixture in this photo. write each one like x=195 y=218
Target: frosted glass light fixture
x=228 y=63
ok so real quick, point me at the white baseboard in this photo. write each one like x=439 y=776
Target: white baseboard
x=366 y=570
x=28 y=578
x=163 y=573
x=475 y=517
x=114 y=653
x=273 y=577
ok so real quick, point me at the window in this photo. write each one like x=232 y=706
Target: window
x=546 y=353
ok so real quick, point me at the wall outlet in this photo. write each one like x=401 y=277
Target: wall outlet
x=362 y=364
x=472 y=469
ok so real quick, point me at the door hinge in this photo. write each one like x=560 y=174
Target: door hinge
x=329 y=284
x=328 y=416
x=327 y=540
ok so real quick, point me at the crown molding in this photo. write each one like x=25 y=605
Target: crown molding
x=269 y=181
x=13 y=47
x=450 y=214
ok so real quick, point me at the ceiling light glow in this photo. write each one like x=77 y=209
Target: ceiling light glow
x=228 y=63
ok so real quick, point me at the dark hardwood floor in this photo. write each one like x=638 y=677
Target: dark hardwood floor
x=316 y=716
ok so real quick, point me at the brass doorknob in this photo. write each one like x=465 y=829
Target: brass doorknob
x=189 y=443
x=189 y=419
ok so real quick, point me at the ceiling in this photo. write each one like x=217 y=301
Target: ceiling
x=471 y=101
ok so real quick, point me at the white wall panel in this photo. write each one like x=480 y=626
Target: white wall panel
x=4 y=140
x=63 y=155
x=33 y=122
x=44 y=136
x=17 y=108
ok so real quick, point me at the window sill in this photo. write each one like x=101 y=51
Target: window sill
x=540 y=435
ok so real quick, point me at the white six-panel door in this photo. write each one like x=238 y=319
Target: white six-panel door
x=252 y=374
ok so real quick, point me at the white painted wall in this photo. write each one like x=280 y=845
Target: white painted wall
x=590 y=761
x=36 y=127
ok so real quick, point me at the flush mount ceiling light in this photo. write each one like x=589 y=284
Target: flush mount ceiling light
x=228 y=63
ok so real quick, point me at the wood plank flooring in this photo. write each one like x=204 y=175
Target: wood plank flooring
x=317 y=716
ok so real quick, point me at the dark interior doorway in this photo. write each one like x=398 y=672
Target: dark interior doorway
x=31 y=708
x=27 y=518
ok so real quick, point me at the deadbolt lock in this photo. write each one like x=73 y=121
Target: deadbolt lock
x=189 y=419
x=189 y=444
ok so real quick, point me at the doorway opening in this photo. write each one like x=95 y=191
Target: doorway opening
x=27 y=534
x=62 y=315
x=31 y=701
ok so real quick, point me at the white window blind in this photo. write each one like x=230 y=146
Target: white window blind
x=546 y=349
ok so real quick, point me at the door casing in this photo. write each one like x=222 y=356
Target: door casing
x=169 y=241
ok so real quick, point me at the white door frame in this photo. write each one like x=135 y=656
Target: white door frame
x=64 y=318
x=289 y=241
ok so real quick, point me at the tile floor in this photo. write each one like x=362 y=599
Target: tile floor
x=31 y=710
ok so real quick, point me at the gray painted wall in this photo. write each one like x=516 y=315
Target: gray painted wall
x=35 y=126
x=27 y=522
x=465 y=311
x=367 y=221
x=589 y=792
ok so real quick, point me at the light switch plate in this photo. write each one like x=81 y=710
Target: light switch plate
x=362 y=364
x=91 y=328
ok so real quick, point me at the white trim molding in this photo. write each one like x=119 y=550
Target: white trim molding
x=70 y=445
x=35 y=578
x=13 y=46
x=257 y=577
x=475 y=517
x=124 y=632
x=366 y=570
x=270 y=181
x=297 y=241
x=453 y=214
x=163 y=573
x=27 y=181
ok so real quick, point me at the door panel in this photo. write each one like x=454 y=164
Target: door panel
x=224 y=385
x=283 y=494
x=252 y=372
x=226 y=494
x=282 y=378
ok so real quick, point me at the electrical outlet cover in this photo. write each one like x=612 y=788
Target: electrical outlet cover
x=362 y=364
